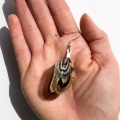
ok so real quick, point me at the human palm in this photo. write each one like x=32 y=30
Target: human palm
x=95 y=91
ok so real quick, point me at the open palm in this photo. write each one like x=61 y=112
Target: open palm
x=95 y=92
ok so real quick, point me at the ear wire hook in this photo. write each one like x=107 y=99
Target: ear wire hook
x=69 y=51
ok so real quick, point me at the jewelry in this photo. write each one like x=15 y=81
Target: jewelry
x=63 y=74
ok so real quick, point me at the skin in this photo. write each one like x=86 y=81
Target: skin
x=95 y=91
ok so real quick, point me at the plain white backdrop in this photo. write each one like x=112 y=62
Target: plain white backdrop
x=105 y=13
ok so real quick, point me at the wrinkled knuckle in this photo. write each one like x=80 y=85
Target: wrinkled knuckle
x=16 y=37
x=30 y=28
x=20 y=53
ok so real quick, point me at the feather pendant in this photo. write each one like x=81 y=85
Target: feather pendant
x=62 y=77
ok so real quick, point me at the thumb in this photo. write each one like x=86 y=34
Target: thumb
x=96 y=38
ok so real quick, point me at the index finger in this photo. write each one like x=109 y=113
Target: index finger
x=62 y=16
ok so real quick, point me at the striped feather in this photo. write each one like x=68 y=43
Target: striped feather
x=63 y=75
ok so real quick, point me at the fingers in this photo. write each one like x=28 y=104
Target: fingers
x=62 y=16
x=31 y=32
x=43 y=18
x=96 y=38
x=20 y=47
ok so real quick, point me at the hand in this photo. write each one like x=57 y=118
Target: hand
x=95 y=92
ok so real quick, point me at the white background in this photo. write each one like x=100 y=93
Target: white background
x=105 y=13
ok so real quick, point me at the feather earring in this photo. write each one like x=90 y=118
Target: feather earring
x=63 y=73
